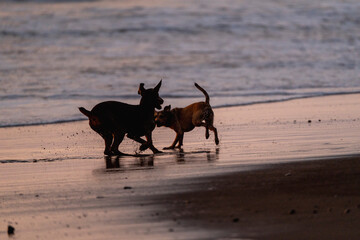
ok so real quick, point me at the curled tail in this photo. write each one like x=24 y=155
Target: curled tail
x=85 y=112
x=207 y=98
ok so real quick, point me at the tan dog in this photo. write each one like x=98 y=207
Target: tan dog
x=183 y=120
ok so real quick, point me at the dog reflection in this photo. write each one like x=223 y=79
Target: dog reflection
x=147 y=161
x=113 y=162
x=212 y=157
x=181 y=156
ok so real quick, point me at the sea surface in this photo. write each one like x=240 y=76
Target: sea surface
x=58 y=55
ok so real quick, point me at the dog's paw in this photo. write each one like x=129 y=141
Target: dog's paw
x=217 y=141
x=116 y=153
x=107 y=153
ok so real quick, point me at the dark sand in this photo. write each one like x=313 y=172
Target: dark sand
x=305 y=200
x=275 y=175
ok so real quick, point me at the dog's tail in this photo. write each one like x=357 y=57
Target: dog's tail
x=94 y=120
x=207 y=98
x=85 y=112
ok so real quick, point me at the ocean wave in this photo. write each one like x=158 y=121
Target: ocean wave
x=66 y=96
x=182 y=95
x=51 y=1
x=35 y=160
x=99 y=32
x=283 y=100
x=43 y=122
x=56 y=59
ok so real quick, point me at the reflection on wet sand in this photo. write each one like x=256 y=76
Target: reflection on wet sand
x=114 y=162
x=128 y=163
x=181 y=156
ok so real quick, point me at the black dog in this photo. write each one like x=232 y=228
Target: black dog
x=112 y=120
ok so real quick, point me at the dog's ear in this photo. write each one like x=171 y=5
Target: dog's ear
x=167 y=108
x=141 y=88
x=157 y=88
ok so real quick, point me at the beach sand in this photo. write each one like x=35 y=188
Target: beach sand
x=286 y=170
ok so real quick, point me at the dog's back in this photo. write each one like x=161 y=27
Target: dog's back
x=187 y=115
x=117 y=115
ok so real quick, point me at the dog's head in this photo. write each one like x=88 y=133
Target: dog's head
x=163 y=118
x=150 y=97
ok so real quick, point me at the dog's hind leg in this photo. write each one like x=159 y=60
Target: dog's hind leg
x=209 y=120
x=203 y=124
x=108 y=138
x=176 y=140
x=181 y=138
x=118 y=138
x=208 y=125
x=212 y=128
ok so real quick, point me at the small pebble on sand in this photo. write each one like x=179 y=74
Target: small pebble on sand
x=10 y=230
x=292 y=211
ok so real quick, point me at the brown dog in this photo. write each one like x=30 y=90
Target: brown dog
x=112 y=120
x=183 y=120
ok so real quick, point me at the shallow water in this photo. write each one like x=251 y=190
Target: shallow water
x=58 y=55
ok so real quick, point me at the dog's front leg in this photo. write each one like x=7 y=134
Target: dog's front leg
x=137 y=139
x=181 y=138
x=144 y=144
x=174 y=143
x=149 y=144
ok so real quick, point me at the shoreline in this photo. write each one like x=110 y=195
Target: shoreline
x=60 y=185
x=215 y=107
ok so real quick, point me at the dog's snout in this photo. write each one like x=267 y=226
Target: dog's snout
x=159 y=102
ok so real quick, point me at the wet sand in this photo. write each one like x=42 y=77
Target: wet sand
x=307 y=200
x=283 y=170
